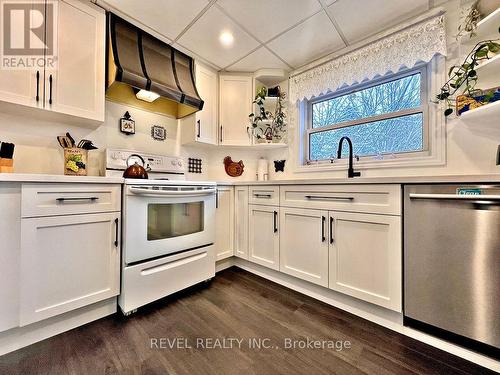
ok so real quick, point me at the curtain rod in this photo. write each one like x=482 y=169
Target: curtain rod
x=436 y=12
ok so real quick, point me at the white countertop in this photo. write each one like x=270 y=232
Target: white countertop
x=474 y=179
x=32 y=177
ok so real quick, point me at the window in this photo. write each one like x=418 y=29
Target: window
x=383 y=117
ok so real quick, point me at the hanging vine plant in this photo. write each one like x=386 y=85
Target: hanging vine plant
x=463 y=78
x=266 y=124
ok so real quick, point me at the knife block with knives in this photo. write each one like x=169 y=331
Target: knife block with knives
x=6 y=157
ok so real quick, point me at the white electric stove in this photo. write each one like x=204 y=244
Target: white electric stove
x=168 y=229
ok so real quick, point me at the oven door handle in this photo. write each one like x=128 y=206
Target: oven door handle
x=167 y=193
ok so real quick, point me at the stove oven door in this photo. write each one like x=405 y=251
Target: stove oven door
x=163 y=220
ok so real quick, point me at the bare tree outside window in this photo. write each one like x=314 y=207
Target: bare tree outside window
x=381 y=119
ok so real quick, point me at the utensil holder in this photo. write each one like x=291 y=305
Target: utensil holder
x=75 y=161
x=6 y=165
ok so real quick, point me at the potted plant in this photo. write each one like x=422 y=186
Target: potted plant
x=265 y=125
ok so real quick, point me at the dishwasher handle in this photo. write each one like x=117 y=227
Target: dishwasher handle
x=456 y=197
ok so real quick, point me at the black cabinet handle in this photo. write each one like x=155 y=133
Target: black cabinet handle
x=199 y=128
x=37 y=97
x=331 y=230
x=323 y=238
x=275 y=221
x=220 y=134
x=116 y=232
x=62 y=200
x=50 y=89
x=216 y=198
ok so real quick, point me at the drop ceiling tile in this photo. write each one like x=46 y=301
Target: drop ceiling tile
x=266 y=19
x=203 y=38
x=382 y=15
x=259 y=59
x=307 y=41
x=167 y=17
x=327 y=2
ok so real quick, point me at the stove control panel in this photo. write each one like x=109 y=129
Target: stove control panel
x=117 y=159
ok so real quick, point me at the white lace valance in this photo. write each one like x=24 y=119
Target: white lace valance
x=417 y=43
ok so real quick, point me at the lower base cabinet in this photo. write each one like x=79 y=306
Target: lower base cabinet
x=365 y=257
x=67 y=262
x=263 y=236
x=304 y=244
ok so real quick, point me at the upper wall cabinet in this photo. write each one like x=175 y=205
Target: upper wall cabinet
x=235 y=104
x=75 y=85
x=202 y=126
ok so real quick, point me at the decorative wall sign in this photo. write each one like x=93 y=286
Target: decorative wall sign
x=232 y=168
x=127 y=125
x=279 y=165
x=194 y=165
x=158 y=133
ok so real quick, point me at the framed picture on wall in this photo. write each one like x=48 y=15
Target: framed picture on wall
x=127 y=125
x=158 y=133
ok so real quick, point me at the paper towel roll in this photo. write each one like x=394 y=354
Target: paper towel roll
x=262 y=169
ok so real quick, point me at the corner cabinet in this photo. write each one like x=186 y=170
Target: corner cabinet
x=264 y=236
x=76 y=86
x=235 y=104
x=202 y=126
x=224 y=231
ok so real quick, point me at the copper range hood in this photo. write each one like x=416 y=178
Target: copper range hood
x=144 y=72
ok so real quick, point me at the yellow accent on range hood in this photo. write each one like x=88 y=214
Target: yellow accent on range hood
x=138 y=61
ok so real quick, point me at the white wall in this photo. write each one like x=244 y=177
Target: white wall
x=37 y=149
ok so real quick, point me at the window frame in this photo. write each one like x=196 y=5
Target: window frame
x=423 y=108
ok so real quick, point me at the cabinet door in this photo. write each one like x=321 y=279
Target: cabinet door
x=77 y=86
x=224 y=231
x=304 y=244
x=235 y=104
x=206 y=119
x=19 y=86
x=263 y=233
x=241 y=221
x=67 y=262
x=365 y=257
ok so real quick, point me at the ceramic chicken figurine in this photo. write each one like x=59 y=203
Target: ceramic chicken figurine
x=232 y=168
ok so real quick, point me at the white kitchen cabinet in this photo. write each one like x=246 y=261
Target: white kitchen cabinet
x=67 y=262
x=22 y=86
x=263 y=234
x=235 y=104
x=202 y=126
x=241 y=221
x=365 y=257
x=76 y=85
x=224 y=231
x=304 y=244
x=10 y=235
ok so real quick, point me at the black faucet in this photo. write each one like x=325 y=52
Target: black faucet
x=350 y=171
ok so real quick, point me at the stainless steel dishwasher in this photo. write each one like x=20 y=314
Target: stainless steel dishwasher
x=452 y=263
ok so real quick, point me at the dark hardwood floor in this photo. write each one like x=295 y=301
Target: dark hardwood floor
x=239 y=305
